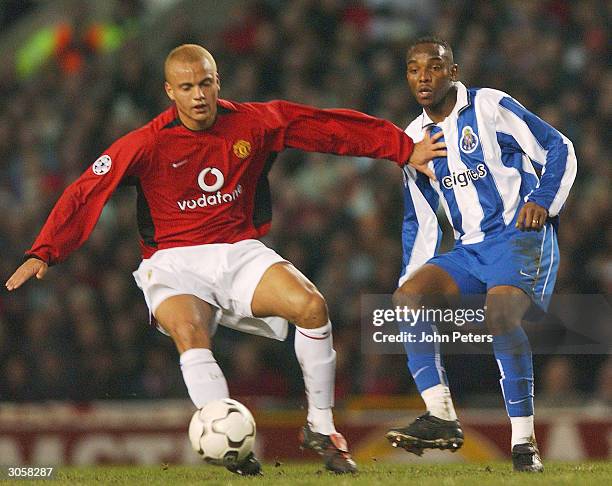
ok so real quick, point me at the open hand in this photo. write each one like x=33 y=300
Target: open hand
x=31 y=267
x=427 y=149
x=531 y=217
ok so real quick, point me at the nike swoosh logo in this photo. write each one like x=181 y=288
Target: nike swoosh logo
x=511 y=402
x=419 y=371
x=178 y=164
x=525 y=274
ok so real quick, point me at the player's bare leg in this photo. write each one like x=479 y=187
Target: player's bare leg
x=187 y=320
x=438 y=428
x=506 y=306
x=428 y=280
x=284 y=291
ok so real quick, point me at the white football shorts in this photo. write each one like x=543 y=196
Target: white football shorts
x=225 y=275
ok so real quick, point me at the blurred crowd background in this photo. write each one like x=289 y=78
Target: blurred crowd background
x=80 y=77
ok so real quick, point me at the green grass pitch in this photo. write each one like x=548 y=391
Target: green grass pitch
x=374 y=473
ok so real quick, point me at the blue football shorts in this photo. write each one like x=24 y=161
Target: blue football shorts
x=527 y=260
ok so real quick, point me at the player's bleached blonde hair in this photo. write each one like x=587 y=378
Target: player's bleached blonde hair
x=188 y=53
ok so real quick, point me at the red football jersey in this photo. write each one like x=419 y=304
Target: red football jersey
x=209 y=186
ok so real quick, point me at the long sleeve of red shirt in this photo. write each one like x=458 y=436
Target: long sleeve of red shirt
x=335 y=131
x=77 y=211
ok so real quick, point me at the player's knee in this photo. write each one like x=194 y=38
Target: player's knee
x=311 y=310
x=500 y=320
x=407 y=296
x=188 y=332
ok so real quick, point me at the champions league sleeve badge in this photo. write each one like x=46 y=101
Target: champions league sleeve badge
x=102 y=165
x=469 y=140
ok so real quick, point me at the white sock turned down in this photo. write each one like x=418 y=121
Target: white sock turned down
x=317 y=358
x=439 y=402
x=203 y=377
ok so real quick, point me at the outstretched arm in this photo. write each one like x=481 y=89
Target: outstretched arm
x=345 y=132
x=77 y=211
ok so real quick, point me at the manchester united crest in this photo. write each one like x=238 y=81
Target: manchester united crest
x=242 y=149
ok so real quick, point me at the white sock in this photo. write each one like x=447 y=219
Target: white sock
x=439 y=402
x=522 y=430
x=317 y=358
x=203 y=377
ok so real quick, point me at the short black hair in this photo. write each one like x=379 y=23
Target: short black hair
x=431 y=39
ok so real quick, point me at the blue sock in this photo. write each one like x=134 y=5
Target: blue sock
x=513 y=355
x=424 y=360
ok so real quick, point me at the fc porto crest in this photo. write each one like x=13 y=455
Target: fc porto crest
x=242 y=149
x=469 y=140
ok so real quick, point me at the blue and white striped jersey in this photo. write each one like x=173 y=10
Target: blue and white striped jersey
x=494 y=146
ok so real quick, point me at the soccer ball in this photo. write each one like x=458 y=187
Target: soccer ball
x=222 y=432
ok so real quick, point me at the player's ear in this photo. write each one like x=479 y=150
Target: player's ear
x=218 y=79
x=454 y=72
x=169 y=90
